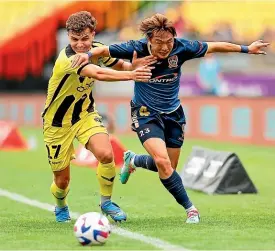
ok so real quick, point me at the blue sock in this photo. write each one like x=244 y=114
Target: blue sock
x=146 y=162
x=174 y=185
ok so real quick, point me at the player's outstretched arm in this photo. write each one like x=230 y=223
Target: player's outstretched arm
x=81 y=59
x=255 y=48
x=142 y=74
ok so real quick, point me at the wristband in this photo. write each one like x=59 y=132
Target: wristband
x=244 y=49
x=90 y=54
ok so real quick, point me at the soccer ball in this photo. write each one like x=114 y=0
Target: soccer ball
x=92 y=229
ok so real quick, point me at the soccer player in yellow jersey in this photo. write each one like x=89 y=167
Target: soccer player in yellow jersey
x=70 y=113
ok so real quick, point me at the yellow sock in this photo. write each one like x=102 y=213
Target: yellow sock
x=60 y=195
x=106 y=174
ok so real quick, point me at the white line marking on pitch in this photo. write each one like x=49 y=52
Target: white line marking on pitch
x=155 y=242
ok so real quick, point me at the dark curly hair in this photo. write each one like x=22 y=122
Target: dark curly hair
x=156 y=23
x=80 y=21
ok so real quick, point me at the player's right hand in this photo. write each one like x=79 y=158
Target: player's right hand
x=80 y=59
x=142 y=74
x=257 y=47
x=139 y=62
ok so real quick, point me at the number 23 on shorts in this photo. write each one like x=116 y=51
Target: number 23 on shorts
x=143 y=132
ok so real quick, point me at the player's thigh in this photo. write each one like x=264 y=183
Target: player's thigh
x=146 y=123
x=99 y=144
x=94 y=136
x=59 y=145
x=147 y=130
x=156 y=148
x=152 y=137
x=174 y=154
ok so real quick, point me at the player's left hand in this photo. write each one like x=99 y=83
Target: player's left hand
x=80 y=59
x=257 y=46
x=145 y=61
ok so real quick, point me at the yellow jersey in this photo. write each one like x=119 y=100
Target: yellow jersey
x=69 y=96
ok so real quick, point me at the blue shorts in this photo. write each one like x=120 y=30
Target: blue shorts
x=148 y=123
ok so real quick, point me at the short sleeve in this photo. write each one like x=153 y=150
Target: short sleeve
x=123 y=50
x=106 y=61
x=109 y=61
x=195 y=49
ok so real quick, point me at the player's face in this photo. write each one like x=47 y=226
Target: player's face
x=81 y=42
x=161 y=44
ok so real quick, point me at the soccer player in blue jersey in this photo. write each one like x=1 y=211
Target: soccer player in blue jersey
x=157 y=115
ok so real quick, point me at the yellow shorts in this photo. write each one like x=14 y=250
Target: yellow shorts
x=59 y=140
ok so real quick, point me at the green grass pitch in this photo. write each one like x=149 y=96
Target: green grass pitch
x=229 y=222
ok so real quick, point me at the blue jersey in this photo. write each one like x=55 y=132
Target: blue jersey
x=161 y=93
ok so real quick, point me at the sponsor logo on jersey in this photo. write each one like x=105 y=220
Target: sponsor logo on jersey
x=168 y=78
x=85 y=87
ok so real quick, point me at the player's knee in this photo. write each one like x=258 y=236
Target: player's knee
x=163 y=164
x=105 y=156
x=62 y=182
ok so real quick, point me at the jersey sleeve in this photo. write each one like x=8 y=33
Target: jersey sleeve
x=109 y=61
x=195 y=49
x=123 y=50
x=106 y=61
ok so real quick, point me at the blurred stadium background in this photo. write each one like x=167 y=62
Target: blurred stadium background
x=31 y=40
x=229 y=99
